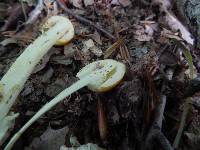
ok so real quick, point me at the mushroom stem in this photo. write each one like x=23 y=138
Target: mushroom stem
x=74 y=87
x=13 y=81
x=98 y=76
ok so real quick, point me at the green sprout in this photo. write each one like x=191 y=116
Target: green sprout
x=60 y=28
x=99 y=76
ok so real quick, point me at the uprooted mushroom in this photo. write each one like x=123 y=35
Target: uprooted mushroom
x=59 y=31
x=99 y=76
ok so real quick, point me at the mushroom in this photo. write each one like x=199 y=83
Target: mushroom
x=99 y=76
x=59 y=29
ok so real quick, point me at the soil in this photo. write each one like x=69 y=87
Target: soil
x=130 y=110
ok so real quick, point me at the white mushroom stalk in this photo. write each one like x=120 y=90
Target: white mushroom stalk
x=99 y=76
x=13 y=81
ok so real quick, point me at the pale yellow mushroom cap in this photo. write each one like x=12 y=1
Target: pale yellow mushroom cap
x=67 y=36
x=108 y=74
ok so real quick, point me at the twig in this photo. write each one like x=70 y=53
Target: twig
x=161 y=107
x=155 y=130
x=160 y=112
x=23 y=9
x=186 y=109
x=15 y=15
x=102 y=122
x=86 y=21
x=32 y=16
x=35 y=13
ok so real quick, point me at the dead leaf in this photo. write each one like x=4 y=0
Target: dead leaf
x=125 y=3
x=89 y=43
x=166 y=4
x=69 y=50
x=30 y=2
x=83 y=56
x=28 y=88
x=45 y=60
x=89 y=146
x=97 y=51
x=170 y=19
x=168 y=58
x=169 y=34
x=77 y=3
x=8 y=41
x=115 y=2
x=145 y=30
x=96 y=37
x=49 y=140
x=47 y=75
x=55 y=88
x=141 y=35
x=63 y=60
x=193 y=140
x=90 y=46
x=176 y=25
x=88 y=2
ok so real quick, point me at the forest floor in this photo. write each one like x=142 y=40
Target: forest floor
x=155 y=107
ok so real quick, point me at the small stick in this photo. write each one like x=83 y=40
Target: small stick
x=86 y=21
x=102 y=122
x=23 y=9
x=33 y=16
x=35 y=13
x=186 y=110
x=161 y=107
x=155 y=130
x=160 y=111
